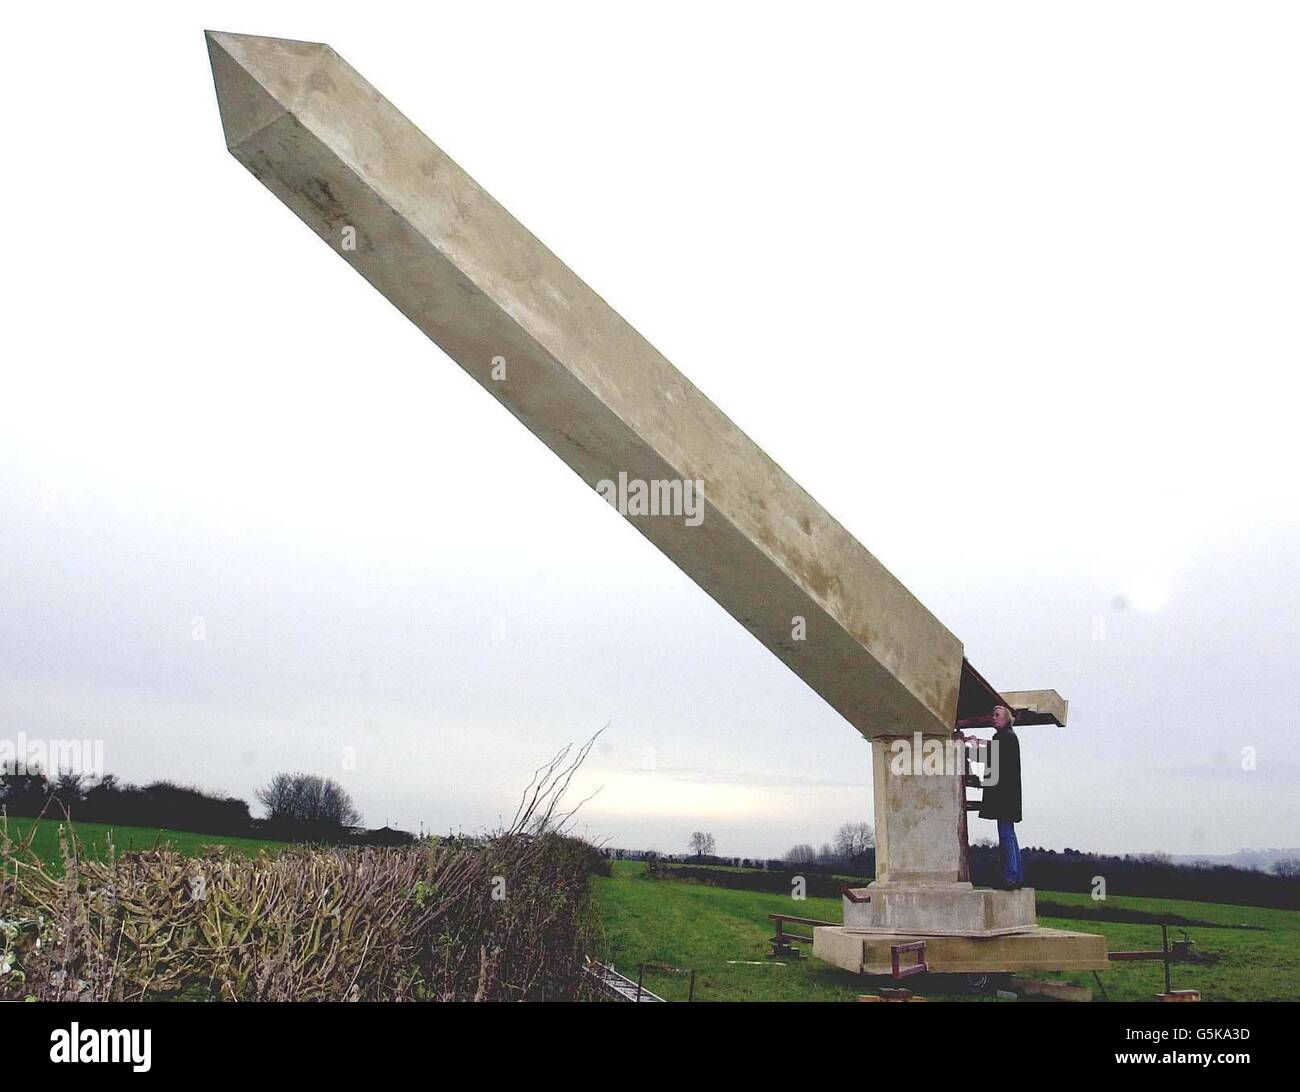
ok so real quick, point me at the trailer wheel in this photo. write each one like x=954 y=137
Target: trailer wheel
x=986 y=983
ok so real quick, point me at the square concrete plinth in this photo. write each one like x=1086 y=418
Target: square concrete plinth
x=955 y=909
x=1038 y=949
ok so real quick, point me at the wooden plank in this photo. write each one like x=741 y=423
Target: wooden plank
x=1059 y=991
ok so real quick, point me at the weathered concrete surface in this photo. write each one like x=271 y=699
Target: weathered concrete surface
x=595 y=391
x=955 y=909
x=838 y=947
x=1038 y=949
x=1047 y=703
x=916 y=819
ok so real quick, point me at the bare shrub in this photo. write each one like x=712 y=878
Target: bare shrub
x=508 y=917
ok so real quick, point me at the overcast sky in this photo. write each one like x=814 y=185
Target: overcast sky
x=1011 y=292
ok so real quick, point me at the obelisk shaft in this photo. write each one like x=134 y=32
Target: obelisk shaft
x=547 y=347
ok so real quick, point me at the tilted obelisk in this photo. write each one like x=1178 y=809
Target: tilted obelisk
x=549 y=349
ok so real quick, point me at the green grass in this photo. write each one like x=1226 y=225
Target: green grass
x=723 y=934
x=94 y=839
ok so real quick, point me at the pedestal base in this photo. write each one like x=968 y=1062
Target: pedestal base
x=955 y=909
x=1039 y=949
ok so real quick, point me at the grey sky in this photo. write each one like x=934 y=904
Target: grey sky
x=1019 y=311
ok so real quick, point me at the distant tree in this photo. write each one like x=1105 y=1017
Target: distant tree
x=802 y=854
x=279 y=797
x=102 y=801
x=308 y=799
x=70 y=788
x=827 y=856
x=854 y=842
x=702 y=844
x=186 y=807
x=1287 y=866
x=23 y=793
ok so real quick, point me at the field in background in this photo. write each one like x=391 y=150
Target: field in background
x=94 y=839
x=723 y=934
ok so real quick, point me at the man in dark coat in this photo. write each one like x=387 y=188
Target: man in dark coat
x=1001 y=802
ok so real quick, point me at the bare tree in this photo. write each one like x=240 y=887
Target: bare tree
x=702 y=844
x=306 y=798
x=1287 y=866
x=853 y=841
x=802 y=854
x=279 y=797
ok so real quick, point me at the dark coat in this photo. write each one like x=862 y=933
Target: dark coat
x=1002 y=800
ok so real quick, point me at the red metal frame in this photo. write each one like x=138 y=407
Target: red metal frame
x=896 y=951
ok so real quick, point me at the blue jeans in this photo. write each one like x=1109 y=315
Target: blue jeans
x=1009 y=851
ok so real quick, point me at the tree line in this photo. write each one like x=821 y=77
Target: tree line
x=854 y=847
x=298 y=806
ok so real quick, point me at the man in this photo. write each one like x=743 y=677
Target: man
x=1001 y=802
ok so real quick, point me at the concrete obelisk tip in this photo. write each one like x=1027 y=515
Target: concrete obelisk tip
x=258 y=78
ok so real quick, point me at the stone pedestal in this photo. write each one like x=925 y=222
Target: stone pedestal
x=919 y=801
x=956 y=910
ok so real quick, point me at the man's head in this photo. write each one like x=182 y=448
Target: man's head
x=1002 y=717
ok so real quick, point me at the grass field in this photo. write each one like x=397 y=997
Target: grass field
x=723 y=935
x=94 y=839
